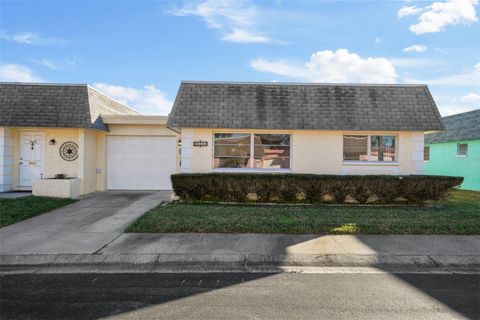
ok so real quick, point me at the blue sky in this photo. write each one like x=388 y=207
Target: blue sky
x=139 y=51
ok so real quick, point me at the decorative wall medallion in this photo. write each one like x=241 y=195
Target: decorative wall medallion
x=69 y=151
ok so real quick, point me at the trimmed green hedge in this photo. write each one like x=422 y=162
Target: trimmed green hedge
x=310 y=188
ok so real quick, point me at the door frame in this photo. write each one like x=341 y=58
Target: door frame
x=20 y=142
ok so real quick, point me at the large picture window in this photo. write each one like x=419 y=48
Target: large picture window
x=251 y=151
x=378 y=148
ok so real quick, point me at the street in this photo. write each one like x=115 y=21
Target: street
x=240 y=296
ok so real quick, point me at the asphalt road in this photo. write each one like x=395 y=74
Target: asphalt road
x=240 y=296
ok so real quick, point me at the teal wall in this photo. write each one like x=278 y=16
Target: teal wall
x=444 y=161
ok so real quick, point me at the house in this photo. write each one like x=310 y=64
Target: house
x=75 y=130
x=303 y=128
x=49 y=129
x=456 y=152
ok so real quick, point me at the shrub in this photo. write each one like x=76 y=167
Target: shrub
x=285 y=188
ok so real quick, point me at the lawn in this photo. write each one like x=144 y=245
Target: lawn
x=15 y=210
x=458 y=213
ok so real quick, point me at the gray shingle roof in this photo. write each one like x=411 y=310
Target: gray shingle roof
x=55 y=105
x=460 y=127
x=304 y=106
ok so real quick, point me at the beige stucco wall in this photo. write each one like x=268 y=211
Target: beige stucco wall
x=319 y=152
x=52 y=162
x=90 y=166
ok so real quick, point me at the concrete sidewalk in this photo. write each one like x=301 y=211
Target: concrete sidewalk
x=269 y=252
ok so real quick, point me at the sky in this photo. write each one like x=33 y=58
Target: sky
x=138 y=52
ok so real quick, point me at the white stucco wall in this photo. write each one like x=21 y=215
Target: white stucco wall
x=319 y=152
x=6 y=159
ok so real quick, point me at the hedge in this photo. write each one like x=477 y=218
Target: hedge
x=310 y=188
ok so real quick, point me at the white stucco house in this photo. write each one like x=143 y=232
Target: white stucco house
x=50 y=129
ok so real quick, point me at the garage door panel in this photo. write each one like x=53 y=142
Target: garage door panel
x=140 y=162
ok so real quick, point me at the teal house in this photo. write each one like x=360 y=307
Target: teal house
x=456 y=151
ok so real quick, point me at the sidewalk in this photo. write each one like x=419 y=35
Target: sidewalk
x=269 y=252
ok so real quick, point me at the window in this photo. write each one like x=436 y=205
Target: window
x=232 y=150
x=369 y=148
x=462 y=149
x=251 y=151
x=426 y=153
x=272 y=151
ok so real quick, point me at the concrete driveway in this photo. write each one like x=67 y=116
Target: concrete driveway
x=84 y=227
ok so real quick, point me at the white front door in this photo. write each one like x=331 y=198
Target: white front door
x=31 y=157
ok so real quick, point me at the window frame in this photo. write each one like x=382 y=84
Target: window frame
x=369 y=149
x=458 y=149
x=426 y=148
x=251 y=158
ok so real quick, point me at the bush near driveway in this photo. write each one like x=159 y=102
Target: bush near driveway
x=458 y=213
x=309 y=188
x=15 y=210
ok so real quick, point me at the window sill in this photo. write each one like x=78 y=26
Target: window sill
x=252 y=170
x=462 y=156
x=370 y=163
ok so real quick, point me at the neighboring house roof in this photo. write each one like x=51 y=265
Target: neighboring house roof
x=304 y=106
x=56 y=105
x=459 y=127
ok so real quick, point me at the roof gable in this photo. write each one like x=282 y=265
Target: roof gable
x=304 y=106
x=459 y=127
x=56 y=105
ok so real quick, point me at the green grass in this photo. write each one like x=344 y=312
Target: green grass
x=459 y=213
x=15 y=210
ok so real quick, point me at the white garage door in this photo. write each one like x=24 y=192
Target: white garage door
x=140 y=162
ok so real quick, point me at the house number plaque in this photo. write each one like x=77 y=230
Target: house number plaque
x=200 y=143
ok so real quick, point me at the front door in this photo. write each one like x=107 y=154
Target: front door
x=31 y=157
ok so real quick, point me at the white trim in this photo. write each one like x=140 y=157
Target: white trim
x=369 y=163
x=133 y=119
x=247 y=170
x=251 y=159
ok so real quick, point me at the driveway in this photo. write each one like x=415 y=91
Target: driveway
x=83 y=227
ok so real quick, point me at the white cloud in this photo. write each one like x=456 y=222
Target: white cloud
x=415 y=48
x=30 y=38
x=408 y=11
x=454 y=109
x=378 y=40
x=148 y=100
x=470 y=78
x=47 y=63
x=330 y=66
x=56 y=64
x=439 y=50
x=18 y=73
x=236 y=20
x=471 y=97
x=244 y=36
x=437 y=16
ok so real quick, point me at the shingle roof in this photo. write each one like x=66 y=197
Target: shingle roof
x=460 y=127
x=55 y=105
x=304 y=106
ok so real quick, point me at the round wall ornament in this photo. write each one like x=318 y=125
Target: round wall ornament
x=69 y=151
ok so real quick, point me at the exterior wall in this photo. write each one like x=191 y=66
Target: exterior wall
x=6 y=159
x=319 y=152
x=444 y=161
x=88 y=160
x=52 y=162
x=125 y=130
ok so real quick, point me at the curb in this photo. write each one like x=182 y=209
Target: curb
x=237 y=262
